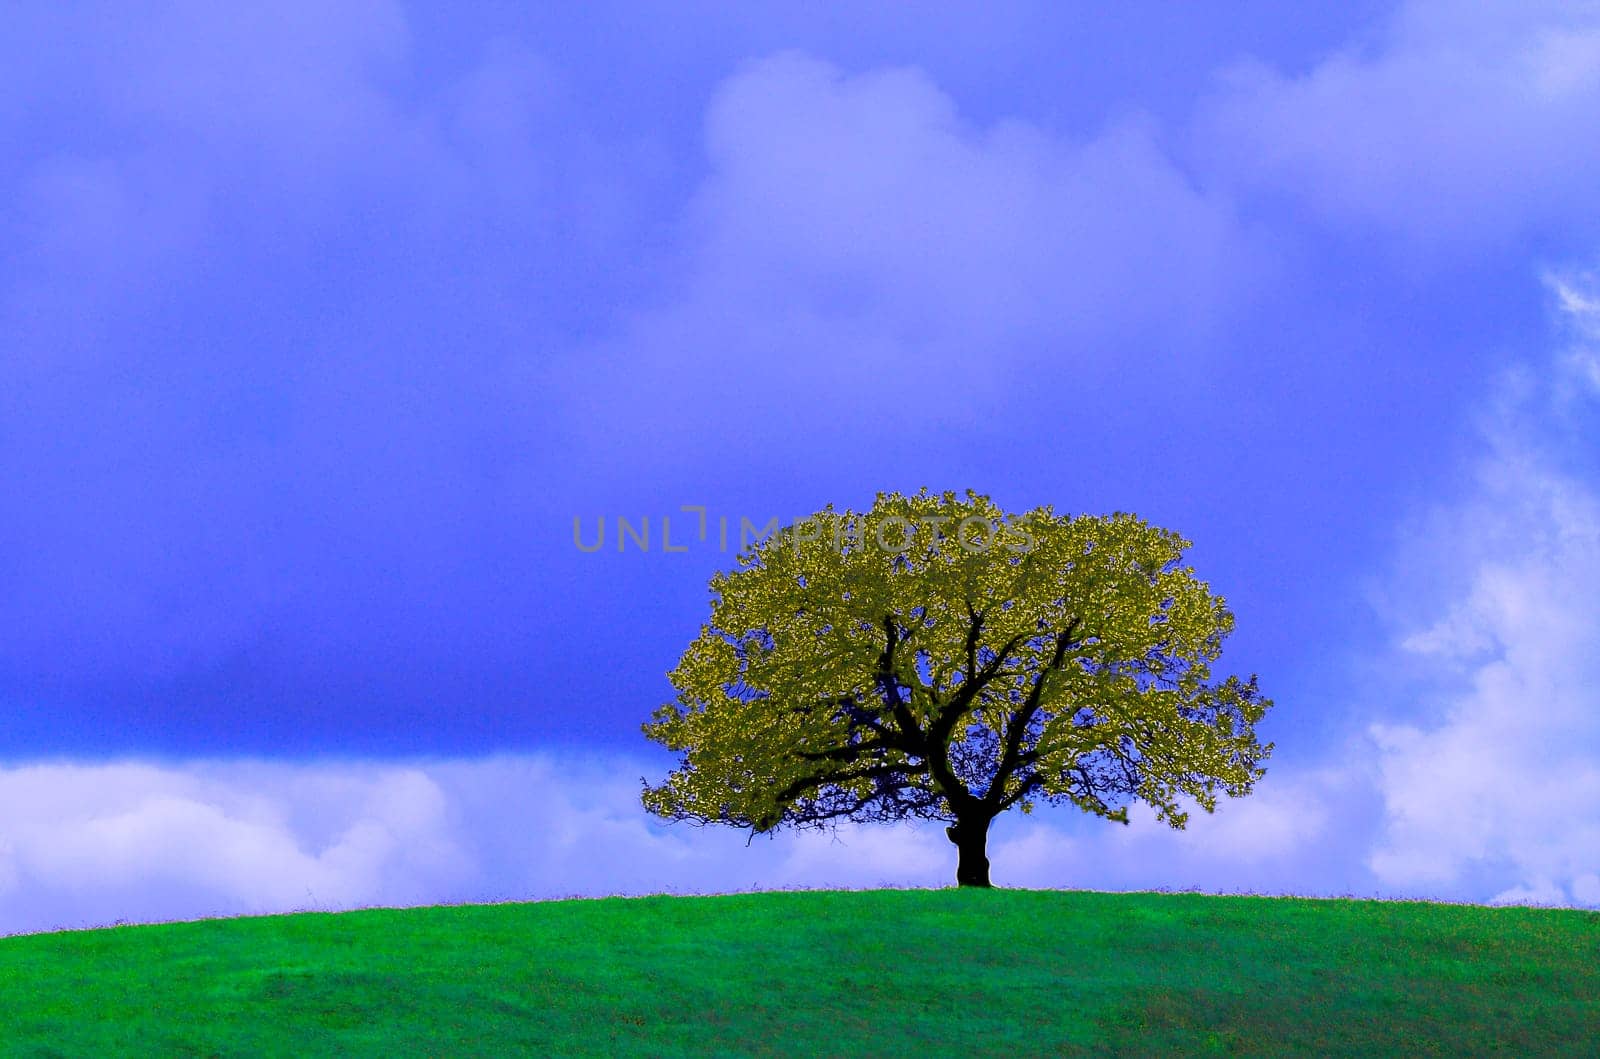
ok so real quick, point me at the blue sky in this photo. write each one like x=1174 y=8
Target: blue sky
x=322 y=326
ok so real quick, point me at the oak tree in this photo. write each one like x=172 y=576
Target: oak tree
x=936 y=658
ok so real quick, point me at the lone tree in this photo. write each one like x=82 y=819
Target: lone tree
x=938 y=659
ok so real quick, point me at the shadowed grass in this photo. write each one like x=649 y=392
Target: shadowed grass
x=888 y=972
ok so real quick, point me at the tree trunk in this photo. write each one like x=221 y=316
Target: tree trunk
x=971 y=838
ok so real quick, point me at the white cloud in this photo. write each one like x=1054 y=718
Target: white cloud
x=867 y=855
x=84 y=844
x=1578 y=299
x=1271 y=824
x=870 y=192
x=129 y=840
x=859 y=249
x=1459 y=125
x=1578 y=294
x=1293 y=834
x=1499 y=775
x=1542 y=892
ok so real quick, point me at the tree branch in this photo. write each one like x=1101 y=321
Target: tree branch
x=837 y=777
x=1019 y=720
x=848 y=752
x=889 y=687
x=973 y=631
x=1029 y=784
x=862 y=715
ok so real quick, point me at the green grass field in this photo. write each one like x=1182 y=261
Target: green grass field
x=926 y=973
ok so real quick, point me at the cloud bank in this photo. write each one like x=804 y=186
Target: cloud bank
x=93 y=844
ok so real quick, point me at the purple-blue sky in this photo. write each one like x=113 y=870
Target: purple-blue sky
x=321 y=326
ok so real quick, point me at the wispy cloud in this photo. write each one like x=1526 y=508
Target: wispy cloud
x=1499 y=777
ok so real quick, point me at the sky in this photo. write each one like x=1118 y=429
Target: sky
x=323 y=324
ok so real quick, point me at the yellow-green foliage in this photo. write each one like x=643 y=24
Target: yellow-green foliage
x=1064 y=658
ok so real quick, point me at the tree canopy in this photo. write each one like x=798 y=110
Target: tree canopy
x=937 y=658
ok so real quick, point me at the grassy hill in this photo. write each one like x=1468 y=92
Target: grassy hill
x=891 y=972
